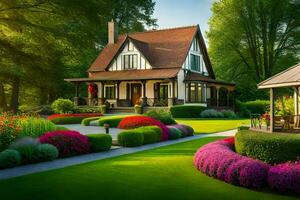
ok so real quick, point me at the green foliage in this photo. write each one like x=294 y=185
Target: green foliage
x=9 y=158
x=284 y=106
x=211 y=113
x=186 y=111
x=62 y=106
x=175 y=133
x=67 y=120
x=87 y=121
x=28 y=149
x=138 y=109
x=229 y=114
x=47 y=152
x=130 y=138
x=252 y=107
x=104 y=109
x=152 y=134
x=35 y=126
x=242 y=128
x=270 y=148
x=100 y=142
x=113 y=121
x=161 y=115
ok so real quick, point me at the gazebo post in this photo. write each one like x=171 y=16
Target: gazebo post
x=296 y=100
x=272 y=110
x=76 y=98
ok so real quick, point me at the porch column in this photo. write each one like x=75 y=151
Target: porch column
x=118 y=92
x=172 y=99
x=76 y=98
x=218 y=95
x=272 y=110
x=144 y=97
x=101 y=96
x=296 y=100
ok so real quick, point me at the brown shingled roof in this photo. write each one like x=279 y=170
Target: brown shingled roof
x=166 y=48
x=192 y=76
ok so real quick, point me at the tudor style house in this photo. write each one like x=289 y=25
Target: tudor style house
x=154 y=68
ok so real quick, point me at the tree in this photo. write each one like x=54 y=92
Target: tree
x=250 y=40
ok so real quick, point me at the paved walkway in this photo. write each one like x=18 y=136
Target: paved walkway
x=116 y=151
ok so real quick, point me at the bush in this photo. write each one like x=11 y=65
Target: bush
x=139 y=121
x=113 y=121
x=244 y=109
x=99 y=142
x=63 y=106
x=152 y=134
x=87 y=121
x=68 y=143
x=229 y=114
x=285 y=177
x=186 y=111
x=28 y=149
x=242 y=128
x=9 y=158
x=9 y=130
x=211 y=113
x=71 y=118
x=161 y=115
x=270 y=148
x=185 y=129
x=47 y=152
x=130 y=138
x=175 y=133
x=35 y=127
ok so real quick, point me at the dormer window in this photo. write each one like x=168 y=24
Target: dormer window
x=196 y=45
x=195 y=62
x=130 y=61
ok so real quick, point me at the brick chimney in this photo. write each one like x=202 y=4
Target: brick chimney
x=112 y=32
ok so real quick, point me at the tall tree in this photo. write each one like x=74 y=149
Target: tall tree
x=250 y=40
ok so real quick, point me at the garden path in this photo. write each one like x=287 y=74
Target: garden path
x=115 y=151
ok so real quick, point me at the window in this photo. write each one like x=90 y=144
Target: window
x=161 y=91
x=110 y=92
x=195 y=92
x=195 y=45
x=195 y=62
x=129 y=61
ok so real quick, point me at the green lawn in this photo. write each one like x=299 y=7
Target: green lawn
x=163 y=173
x=213 y=126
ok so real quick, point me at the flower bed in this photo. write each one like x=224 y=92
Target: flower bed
x=71 y=118
x=218 y=160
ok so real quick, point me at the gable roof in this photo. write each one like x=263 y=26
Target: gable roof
x=288 y=77
x=166 y=48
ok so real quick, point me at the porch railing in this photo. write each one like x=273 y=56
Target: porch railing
x=157 y=102
x=289 y=123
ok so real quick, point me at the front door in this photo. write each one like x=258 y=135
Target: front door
x=136 y=93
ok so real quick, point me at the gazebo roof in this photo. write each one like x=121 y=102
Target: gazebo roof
x=287 y=78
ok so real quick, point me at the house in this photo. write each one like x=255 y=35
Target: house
x=156 y=68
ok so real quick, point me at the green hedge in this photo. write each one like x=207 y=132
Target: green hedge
x=113 y=121
x=175 y=133
x=152 y=134
x=100 y=142
x=162 y=115
x=244 y=109
x=87 y=121
x=270 y=148
x=67 y=120
x=186 y=111
x=131 y=138
x=9 y=158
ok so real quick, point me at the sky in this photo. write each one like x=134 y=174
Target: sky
x=174 y=13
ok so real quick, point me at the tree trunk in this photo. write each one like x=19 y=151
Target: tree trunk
x=14 y=103
x=3 y=103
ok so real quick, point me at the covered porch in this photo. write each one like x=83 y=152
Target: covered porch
x=290 y=79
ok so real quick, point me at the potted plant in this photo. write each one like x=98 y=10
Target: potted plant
x=138 y=108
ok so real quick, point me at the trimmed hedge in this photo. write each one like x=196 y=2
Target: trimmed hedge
x=244 y=109
x=152 y=134
x=87 y=121
x=185 y=129
x=113 y=121
x=71 y=118
x=175 y=133
x=9 y=158
x=161 y=115
x=186 y=111
x=99 y=142
x=131 y=138
x=270 y=148
x=68 y=120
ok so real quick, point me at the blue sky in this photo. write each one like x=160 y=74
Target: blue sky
x=173 y=13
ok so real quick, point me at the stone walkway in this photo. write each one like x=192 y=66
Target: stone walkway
x=116 y=151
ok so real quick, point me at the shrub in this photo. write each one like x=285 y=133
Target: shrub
x=211 y=113
x=99 y=142
x=229 y=114
x=186 y=111
x=9 y=129
x=34 y=126
x=270 y=148
x=185 y=129
x=113 y=121
x=130 y=138
x=242 y=128
x=139 y=121
x=161 y=115
x=68 y=143
x=87 y=121
x=71 y=118
x=175 y=133
x=9 y=158
x=47 y=152
x=252 y=107
x=217 y=159
x=63 y=106
x=285 y=177
x=152 y=134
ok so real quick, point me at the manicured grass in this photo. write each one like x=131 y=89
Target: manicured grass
x=163 y=173
x=213 y=125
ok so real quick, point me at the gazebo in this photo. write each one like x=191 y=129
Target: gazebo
x=287 y=78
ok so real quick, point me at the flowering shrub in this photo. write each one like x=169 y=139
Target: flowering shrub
x=9 y=129
x=139 y=121
x=217 y=159
x=185 y=129
x=68 y=143
x=285 y=177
